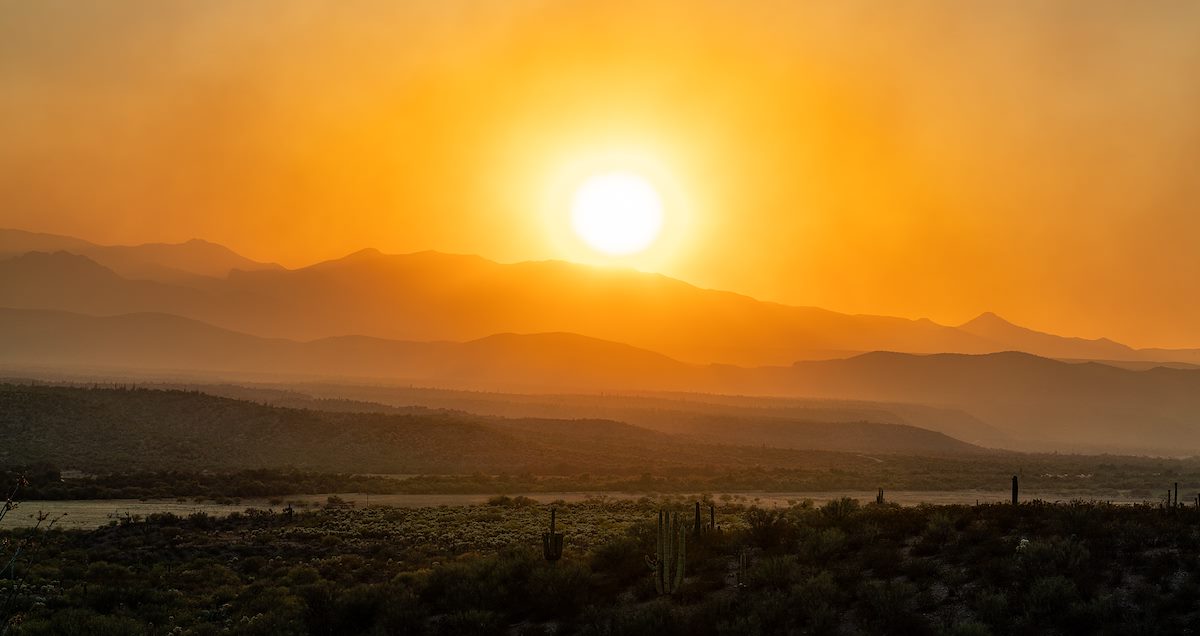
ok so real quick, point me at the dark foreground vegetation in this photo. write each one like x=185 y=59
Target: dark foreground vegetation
x=842 y=568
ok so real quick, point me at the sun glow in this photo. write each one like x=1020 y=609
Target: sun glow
x=617 y=213
x=618 y=207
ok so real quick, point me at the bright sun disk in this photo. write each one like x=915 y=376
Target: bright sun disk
x=617 y=213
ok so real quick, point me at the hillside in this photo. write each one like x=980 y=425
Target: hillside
x=1073 y=406
x=1015 y=338
x=118 y=429
x=1010 y=400
x=146 y=341
x=162 y=262
x=70 y=282
x=770 y=421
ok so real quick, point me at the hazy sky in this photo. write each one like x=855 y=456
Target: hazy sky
x=923 y=159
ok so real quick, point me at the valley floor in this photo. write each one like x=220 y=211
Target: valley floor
x=95 y=513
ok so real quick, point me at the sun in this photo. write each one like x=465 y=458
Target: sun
x=617 y=213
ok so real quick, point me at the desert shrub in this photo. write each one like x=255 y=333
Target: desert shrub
x=889 y=606
x=992 y=608
x=200 y=520
x=620 y=562
x=469 y=622
x=497 y=583
x=968 y=628
x=922 y=570
x=837 y=511
x=74 y=621
x=1052 y=555
x=814 y=600
x=767 y=529
x=767 y=612
x=559 y=590
x=775 y=572
x=1048 y=597
x=882 y=560
x=520 y=501
x=1094 y=615
x=821 y=546
x=656 y=618
x=939 y=529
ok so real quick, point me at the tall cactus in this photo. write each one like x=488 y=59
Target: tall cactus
x=699 y=527
x=1014 y=490
x=671 y=553
x=552 y=542
x=743 y=566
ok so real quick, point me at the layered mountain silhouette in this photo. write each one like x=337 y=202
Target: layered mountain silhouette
x=433 y=319
x=1036 y=402
x=114 y=429
x=1086 y=406
x=430 y=296
x=1015 y=338
x=802 y=423
x=164 y=262
x=162 y=342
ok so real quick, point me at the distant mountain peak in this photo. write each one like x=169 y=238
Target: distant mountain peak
x=61 y=257
x=163 y=262
x=364 y=256
x=987 y=318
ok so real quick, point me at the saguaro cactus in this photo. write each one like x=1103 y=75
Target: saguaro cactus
x=552 y=542
x=1014 y=490
x=697 y=525
x=670 y=554
x=743 y=566
x=879 y=497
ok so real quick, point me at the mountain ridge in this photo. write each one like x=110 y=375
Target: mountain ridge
x=104 y=429
x=163 y=262
x=433 y=296
x=1032 y=400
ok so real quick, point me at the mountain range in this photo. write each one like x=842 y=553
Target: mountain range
x=170 y=262
x=1034 y=402
x=431 y=319
x=430 y=296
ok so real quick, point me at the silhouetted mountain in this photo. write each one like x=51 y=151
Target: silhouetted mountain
x=163 y=262
x=431 y=296
x=1076 y=406
x=775 y=422
x=116 y=429
x=35 y=338
x=1071 y=406
x=1014 y=338
x=69 y=282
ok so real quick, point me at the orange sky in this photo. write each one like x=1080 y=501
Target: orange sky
x=921 y=159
